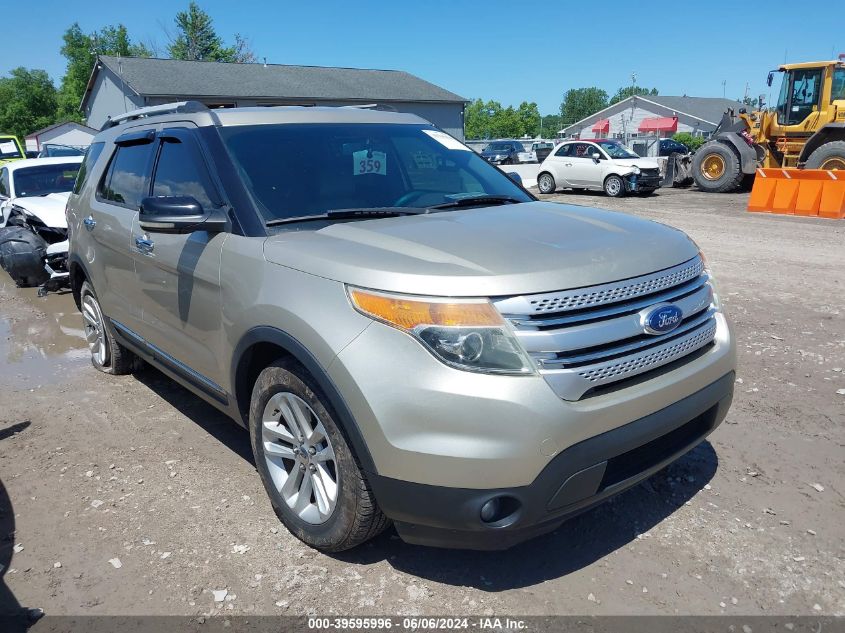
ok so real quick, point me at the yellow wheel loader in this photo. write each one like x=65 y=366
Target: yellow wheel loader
x=805 y=130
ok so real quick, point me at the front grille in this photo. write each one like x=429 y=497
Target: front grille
x=650 y=173
x=593 y=337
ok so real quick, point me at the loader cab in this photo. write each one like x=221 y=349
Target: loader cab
x=800 y=94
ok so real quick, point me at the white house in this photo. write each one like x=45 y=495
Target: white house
x=67 y=133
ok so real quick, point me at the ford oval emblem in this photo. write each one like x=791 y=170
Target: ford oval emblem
x=662 y=318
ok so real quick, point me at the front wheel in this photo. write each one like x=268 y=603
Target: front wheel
x=309 y=471
x=614 y=187
x=716 y=168
x=546 y=183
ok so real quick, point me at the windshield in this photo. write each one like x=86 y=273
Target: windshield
x=500 y=147
x=295 y=170
x=44 y=179
x=60 y=150
x=9 y=149
x=616 y=150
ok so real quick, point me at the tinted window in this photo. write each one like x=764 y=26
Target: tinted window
x=91 y=156
x=180 y=173
x=582 y=150
x=127 y=181
x=44 y=179
x=302 y=169
x=838 y=89
x=564 y=150
x=4 y=182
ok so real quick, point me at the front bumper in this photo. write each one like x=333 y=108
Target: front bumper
x=578 y=478
x=641 y=182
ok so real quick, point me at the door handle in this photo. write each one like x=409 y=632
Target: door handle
x=89 y=222
x=144 y=245
x=568 y=164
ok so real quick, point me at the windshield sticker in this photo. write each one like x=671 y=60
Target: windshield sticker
x=368 y=162
x=447 y=141
x=8 y=148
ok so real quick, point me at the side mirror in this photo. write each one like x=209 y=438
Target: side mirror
x=179 y=214
x=596 y=156
x=515 y=177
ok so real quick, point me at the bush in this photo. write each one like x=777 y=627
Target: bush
x=693 y=142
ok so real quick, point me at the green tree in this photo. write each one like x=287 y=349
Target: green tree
x=27 y=101
x=529 y=119
x=80 y=50
x=198 y=40
x=629 y=91
x=579 y=103
x=693 y=142
x=551 y=125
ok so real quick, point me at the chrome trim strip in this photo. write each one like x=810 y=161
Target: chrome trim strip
x=573 y=383
x=533 y=323
x=557 y=363
x=580 y=298
x=606 y=331
x=164 y=356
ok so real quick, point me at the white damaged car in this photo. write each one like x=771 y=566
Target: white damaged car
x=33 y=227
x=598 y=165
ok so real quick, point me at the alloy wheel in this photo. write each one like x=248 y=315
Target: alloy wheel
x=299 y=457
x=92 y=319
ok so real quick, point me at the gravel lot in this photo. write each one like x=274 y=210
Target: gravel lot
x=130 y=496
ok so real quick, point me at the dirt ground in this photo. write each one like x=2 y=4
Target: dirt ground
x=97 y=469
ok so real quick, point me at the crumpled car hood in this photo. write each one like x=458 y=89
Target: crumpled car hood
x=491 y=251
x=50 y=209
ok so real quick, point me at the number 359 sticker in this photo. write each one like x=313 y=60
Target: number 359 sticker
x=367 y=162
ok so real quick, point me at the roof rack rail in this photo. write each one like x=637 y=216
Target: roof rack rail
x=165 y=108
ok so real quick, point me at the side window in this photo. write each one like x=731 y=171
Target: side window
x=180 y=172
x=127 y=180
x=91 y=155
x=564 y=150
x=581 y=150
x=4 y=182
x=838 y=88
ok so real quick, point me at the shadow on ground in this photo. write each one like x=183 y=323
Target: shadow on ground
x=576 y=544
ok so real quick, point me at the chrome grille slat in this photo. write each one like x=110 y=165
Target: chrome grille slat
x=670 y=295
x=589 y=337
x=602 y=294
x=563 y=361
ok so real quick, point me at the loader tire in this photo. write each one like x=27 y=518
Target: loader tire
x=828 y=156
x=716 y=168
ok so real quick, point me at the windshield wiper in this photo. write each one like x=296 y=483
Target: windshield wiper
x=478 y=200
x=341 y=214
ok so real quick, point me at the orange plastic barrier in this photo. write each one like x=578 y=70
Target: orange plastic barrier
x=810 y=192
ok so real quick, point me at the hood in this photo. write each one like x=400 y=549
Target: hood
x=642 y=163
x=50 y=209
x=491 y=251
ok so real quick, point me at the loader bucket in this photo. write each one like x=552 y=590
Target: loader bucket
x=807 y=192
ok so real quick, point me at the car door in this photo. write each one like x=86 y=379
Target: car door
x=585 y=170
x=178 y=275
x=108 y=223
x=560 y=164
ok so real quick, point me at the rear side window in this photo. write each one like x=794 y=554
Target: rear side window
x=564 y=150
x=91 y=156
x=128 y=181
x=180 y=173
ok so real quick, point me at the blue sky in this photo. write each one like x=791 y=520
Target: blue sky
x=504 y=50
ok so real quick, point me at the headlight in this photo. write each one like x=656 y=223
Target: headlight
x=465 y=334
x=636 y=170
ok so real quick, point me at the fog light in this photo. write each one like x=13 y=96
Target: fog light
x=489 y=510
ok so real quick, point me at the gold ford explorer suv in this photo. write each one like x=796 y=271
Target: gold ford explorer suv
x=408 y=335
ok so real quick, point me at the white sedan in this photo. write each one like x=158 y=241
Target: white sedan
x=38 y=186
x=600 y=165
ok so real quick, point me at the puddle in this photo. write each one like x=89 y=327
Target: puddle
x=40 y=337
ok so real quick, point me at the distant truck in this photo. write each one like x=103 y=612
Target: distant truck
x=10 y=149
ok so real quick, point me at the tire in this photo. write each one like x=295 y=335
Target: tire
x=284 y=453
x=614 y=186
x=107 y=355
x=828 y=156
x=716 y=168
x=22 y=254
x=546 y=183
